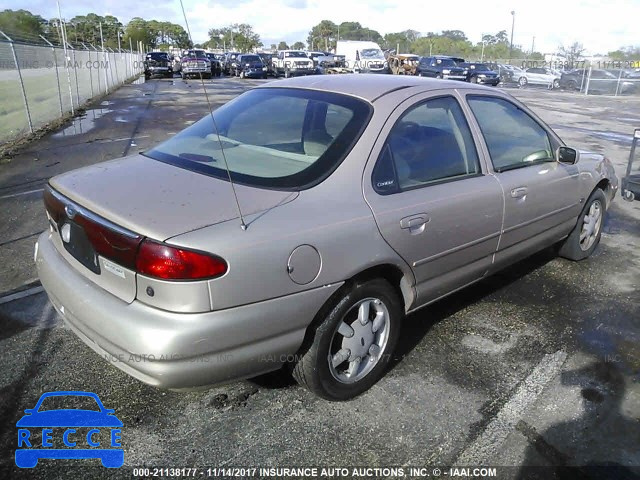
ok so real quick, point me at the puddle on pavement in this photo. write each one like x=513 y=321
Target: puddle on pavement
x=83 y=123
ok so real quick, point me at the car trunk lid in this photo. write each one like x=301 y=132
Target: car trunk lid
x=101 y=214
x=159 y=200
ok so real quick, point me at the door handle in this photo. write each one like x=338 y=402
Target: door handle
x=519 y=192
x=415 y=223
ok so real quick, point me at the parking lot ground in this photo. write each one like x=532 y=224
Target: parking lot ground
x=538 y=365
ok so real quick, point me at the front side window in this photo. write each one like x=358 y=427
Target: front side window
x=430 y=143
x=307 y=135
x=513 y=138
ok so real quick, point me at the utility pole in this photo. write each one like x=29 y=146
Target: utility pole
x=513 y=22
x=533 y=43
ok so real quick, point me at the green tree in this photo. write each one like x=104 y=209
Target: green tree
x=322 y=35
x=239 y=36
x=137 y=30
x=22 y=25
x=298 y=46
x=283 y=45
x=404 y=40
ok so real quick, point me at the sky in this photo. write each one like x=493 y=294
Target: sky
x=601 y=27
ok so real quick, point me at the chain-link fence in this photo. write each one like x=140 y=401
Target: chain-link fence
x=586 y=77
x=42 y=83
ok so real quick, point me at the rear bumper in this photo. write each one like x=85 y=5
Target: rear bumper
x=177 y=350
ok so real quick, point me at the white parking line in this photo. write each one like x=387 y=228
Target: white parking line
x=22 y=294
x=22 y=193
x=484 y=448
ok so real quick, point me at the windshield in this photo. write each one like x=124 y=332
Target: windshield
x=196 y=53
x=308 y=134
x=295 y=54
x=372 y=53
x=446 y=62
x=251 y=58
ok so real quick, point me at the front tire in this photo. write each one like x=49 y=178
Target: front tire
x=349 y=350
x=584 y=238
x=522 y=81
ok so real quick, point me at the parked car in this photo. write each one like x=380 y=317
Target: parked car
x=440 y=66
x=362 y=56
x=599 y=81
x=480 y=73
x=346 y=218
x=293 y=63
x=250 y=66
x=157 y=63
x=195 y=63
x=230 y=62
x=539 y=76
x=267 y=59
x=216 y=65
x=176 y=63
x=509 y=74
x=403 y=63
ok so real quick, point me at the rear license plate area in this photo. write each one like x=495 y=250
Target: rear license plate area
x=76 y=242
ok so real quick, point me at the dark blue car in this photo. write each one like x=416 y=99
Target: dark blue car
x=97 y=418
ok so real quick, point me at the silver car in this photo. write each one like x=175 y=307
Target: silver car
x=356 y=199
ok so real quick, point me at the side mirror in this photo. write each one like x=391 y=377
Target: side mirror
x=567 y=155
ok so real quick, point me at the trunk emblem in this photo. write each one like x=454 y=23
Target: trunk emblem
x=70 y=211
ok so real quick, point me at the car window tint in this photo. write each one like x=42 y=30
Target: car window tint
x=430 y=142
x=337 y=118
x=250 y=126
x=273 y=137
x=513 y=138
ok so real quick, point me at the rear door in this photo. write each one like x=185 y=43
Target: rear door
x=432 y=201
x=541 y=195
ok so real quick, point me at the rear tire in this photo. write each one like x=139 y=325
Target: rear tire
x=474 y=80
x=584 y=238
x=343 y=357
x=522 y=81
x=438 y=75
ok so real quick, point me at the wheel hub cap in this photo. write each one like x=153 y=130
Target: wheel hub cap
x=359 y=340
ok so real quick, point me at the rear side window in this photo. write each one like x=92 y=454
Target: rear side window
x=430 y=143
x=513 y=137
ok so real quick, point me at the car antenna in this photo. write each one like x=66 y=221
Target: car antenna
x=243 y=225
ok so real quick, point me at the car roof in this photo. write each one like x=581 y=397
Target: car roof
x=367 y=86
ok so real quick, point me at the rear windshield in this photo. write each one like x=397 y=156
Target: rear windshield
x=280 y=138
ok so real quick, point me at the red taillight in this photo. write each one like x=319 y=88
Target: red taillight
x=160 y=260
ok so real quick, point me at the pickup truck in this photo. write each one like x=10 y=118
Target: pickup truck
x=291 y=63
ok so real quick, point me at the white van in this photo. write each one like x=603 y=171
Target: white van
x=362 y=57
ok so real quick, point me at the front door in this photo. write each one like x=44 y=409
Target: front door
x=541 y=194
